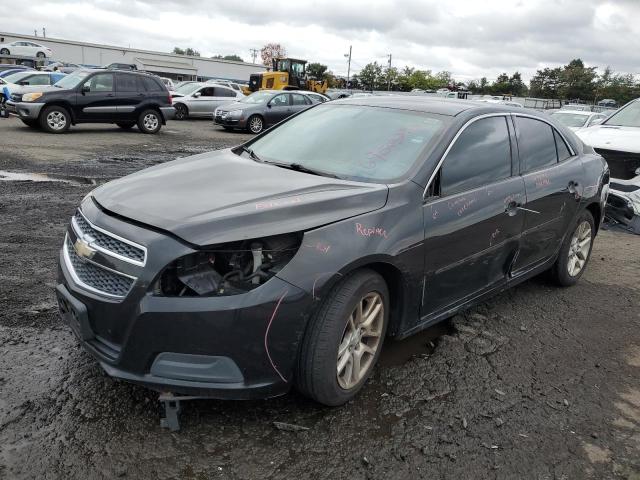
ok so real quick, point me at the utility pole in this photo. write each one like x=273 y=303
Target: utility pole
x=44 y=33
x=35 y=32
x=389 y=74
x=254 y=53
x=348 y=65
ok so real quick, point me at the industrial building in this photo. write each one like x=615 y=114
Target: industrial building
x=176 y=67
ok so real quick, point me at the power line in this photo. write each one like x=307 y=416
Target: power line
x=254 y=53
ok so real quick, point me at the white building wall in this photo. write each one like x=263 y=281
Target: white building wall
x=100 y=55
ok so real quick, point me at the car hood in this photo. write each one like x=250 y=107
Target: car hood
x=230 y=107
x=219 y=196
x=610 y=137
x=22 y=89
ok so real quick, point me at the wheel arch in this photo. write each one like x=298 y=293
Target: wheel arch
x=60 y=103
x=596 y=211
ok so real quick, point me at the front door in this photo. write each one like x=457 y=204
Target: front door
x=551 y=174
x=96 y=100
x=278 y=109
x=202 y=102
x=471 y=234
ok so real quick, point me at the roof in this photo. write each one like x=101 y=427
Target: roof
x=441 y=106
x=156 y=62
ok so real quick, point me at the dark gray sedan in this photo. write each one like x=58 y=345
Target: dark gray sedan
x=261 y=110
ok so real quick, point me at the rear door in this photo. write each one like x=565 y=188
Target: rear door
x=299 y=102
x=129 y=95
x=278 y=109
x=222 y=96
x=471 y=235
x=551 y=174
x=96 y=100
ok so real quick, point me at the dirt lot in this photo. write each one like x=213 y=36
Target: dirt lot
x=538 y=383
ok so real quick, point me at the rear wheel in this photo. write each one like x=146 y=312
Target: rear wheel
x=5 y=51
x=344 y=339
x=255 y=124
x=181 y=111
x=55 y=119
x=149 y=121
x=126 y=125
x=575 y=252
x=30 y=123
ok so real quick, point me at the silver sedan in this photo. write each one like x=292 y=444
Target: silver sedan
x=201 y=99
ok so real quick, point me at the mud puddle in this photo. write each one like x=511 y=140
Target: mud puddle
x=399 y=352
x=45 y=177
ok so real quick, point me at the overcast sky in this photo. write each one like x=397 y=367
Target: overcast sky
x=470 y=38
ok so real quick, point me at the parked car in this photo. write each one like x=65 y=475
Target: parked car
x=31 y=77
x=168 y=83
x=24 y=48
x=617 y=139
x=315 y=96
x=287 y=261
x=577 y=119
x=608 y=103
x=10 y=66
x=62 y=67
x=577 y=107
x=121 y=66
x=201 y=99
x=261 y=110
x=10 y=71
x=96 y=96
x=226 y=83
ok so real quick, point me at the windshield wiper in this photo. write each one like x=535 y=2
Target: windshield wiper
x=251 y=153
x=301 y=168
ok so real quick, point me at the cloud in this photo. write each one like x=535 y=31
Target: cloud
x=469 y=38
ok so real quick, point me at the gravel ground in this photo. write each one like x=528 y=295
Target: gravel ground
x=537 y=383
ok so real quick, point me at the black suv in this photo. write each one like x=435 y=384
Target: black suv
x=95 y=96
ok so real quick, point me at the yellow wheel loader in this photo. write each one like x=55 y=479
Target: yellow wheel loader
x=287 y=74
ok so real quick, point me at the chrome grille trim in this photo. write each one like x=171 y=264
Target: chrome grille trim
x=137 y=253
x=96 y=269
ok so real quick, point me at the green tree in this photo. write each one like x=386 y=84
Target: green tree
x=316 y=70
x=517 y=86
x=233 y=58
x=186 y=51
x=545 y=83
x=370 y=75
x=577 y=81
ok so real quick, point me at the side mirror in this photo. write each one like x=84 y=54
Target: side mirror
x=197 y=94
x=86 y=89
x=269 y=105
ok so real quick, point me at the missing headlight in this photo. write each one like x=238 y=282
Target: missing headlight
x=228 y=269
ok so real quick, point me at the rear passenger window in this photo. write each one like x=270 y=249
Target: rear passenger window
x=561 y=146
x=536 y=144
x=298 y=99
x=223 y=92
x=206 y=92
x=126 y=83
x=150 y=84
x=481 y=155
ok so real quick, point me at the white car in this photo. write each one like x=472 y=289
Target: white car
x=578 y=119
x=27 y=49
x=168 y=83
x=617 y=139
x=201 y=99
x=225 y=83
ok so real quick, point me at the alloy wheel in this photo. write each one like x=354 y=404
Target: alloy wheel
x=150 y=121
x=56 y=120
x=360 y=340
x=579 y=248
x=255 y=125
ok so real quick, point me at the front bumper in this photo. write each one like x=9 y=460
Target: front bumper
x=26 y=110
x=229 y=122
x=235 y=347
x=168 y=113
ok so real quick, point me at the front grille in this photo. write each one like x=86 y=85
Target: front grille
x=621 y=164
x=219 y=113
x=621 y=187
x=96 y=278
x=107 y=243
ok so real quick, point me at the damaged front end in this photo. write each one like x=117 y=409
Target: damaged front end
x=623 y=204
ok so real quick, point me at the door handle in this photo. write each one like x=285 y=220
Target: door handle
x=109 y=94
x=513 y=207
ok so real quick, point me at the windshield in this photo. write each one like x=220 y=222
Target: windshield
x=571 y=119
x=18 y=76
x=72 y=80
x=366 y=143
x=257 y=97
x=628 y=116
x=188 y=89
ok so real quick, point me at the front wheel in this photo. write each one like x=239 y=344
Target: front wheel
x=55 y=119
x=40 y=55
x=181 y=111
x=344 y=339
x=255 y=124
x=575 y=251
x=4 y=51
x=149 y=121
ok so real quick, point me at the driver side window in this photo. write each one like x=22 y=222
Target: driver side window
x=102 y=82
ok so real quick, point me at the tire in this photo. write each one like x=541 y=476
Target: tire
x=150 y=121
x=5 y=51
x=317 y=375
x=31 y=123
x=55 y=119
x=575 y=251
x=126 y=125
x=182 y=111
x=255 y=124
x=41 y=55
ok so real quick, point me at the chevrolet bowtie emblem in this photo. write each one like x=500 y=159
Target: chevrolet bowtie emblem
x=83 y=249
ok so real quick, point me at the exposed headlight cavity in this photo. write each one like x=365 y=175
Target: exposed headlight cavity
x=228 y=269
